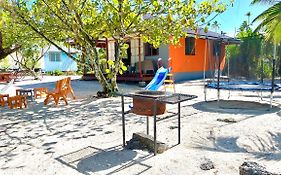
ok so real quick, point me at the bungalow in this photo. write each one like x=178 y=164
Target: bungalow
x=199 y=54
x=54 y=59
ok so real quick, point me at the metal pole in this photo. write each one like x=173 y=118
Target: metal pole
x=204 y=72
x=262 y=69
x=147 y=125
x=123 y=120
x=228 y=76
x=218 y=81
x=273 y=74
x=218 y=78
x=179 y=123
x=262 y=75
x=154 y=113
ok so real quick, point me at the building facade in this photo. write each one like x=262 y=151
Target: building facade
x=54 y=59
x=193 y=57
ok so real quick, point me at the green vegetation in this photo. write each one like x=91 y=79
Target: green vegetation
x=4 y=64
x=270 y=20
x=21 y=40
x=86 y=22
x=252 y=58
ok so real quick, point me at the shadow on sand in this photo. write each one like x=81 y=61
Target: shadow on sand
x=236 y=107
x=267 y=150
x=112 y=160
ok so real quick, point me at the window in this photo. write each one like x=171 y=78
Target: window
x=216 y=48
x=54 y=56
x=150 y=50
x=189 y=46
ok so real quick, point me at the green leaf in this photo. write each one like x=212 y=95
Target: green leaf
x=107 y=71
x=124 y=68
x=110 y=62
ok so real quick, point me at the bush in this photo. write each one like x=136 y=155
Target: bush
x=69 y=73
x=58 y=73
x=55 y=73
x=49 y=73
x=79 y=72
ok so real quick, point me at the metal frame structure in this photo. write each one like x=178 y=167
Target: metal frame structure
x=218 y=74
x=169 y=98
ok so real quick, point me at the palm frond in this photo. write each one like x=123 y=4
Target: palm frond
x=272 y=12
x=265 y=1
x=273 y=31
x=270 y=22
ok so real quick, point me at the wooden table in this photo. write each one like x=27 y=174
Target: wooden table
x=29 y=93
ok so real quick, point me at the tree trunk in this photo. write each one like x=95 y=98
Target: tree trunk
x=109 y=84
x=83 y=59
x=106 y=87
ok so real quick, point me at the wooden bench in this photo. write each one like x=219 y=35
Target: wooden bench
x=62 y=89
x=4 y=99
x=18 y=101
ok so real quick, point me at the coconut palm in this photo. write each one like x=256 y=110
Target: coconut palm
x=249 y=14
x=264 y=1
x=270 y=20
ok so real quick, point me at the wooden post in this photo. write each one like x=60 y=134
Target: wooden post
x=140 y=66
x=106 y=47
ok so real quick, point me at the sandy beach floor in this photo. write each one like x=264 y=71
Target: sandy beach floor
x=85 y=137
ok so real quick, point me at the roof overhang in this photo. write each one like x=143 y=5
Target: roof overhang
x=200 y=33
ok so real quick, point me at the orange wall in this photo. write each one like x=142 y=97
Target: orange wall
x=194 y=63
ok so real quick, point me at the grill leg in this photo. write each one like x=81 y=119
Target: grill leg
x=147 y=125
x=179 y=123
x=154 y=113
x=123 y=121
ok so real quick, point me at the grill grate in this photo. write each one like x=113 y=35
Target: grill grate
x=165 y=97
x=176 y=98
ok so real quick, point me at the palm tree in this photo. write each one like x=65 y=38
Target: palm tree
x=248 y=15
x=270 y=20
x=271 y=24
x=264 y=1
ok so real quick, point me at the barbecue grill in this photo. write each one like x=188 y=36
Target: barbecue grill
x=153 y=103
x=143 y=103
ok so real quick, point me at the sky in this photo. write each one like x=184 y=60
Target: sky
x=233 y=17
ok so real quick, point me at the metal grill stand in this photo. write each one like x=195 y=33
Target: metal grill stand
x=168 y=98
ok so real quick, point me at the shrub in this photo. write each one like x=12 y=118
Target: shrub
x=79 y=72
x=49 y=73
x=57 y=73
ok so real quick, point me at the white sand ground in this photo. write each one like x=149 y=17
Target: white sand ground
x=85 y=137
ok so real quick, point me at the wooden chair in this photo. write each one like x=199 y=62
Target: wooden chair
x=70 y=90
x=40 y=92
x=62 y=89
x=17 y=101
x=3 y=99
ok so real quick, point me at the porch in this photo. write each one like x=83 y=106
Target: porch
x=127 y=77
